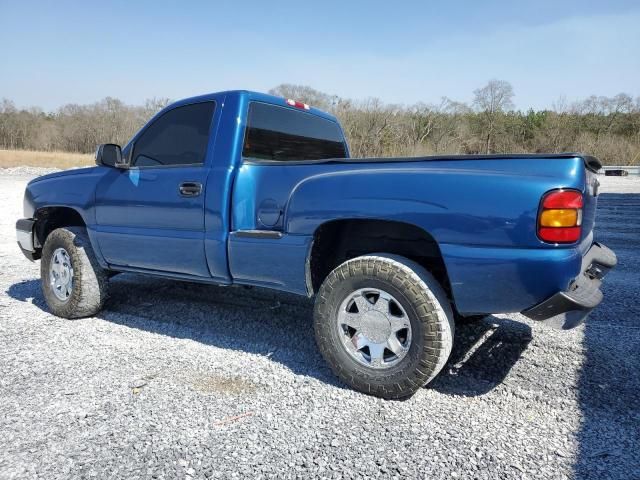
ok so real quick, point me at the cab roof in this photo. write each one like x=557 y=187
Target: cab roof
x=253 y=96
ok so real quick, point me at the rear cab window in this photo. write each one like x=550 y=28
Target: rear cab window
x=283 y=134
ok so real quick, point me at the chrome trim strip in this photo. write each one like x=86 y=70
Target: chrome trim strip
x=257 y=234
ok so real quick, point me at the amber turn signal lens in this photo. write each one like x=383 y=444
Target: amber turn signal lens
x=559 y=217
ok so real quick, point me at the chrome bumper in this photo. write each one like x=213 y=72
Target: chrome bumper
x=24 y=234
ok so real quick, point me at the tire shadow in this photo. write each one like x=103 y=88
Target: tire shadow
x=483 y=353
x=279 y=325
x=254 y=320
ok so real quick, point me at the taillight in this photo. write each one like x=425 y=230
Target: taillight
x=295 y=103
x=560 y=217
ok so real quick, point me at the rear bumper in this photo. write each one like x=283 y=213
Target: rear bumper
x=568 y=309
x=24 y=234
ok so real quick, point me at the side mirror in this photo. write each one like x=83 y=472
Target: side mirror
x=110 y=155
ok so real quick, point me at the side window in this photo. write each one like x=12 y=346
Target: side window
x=178 y=137
x=280 y=133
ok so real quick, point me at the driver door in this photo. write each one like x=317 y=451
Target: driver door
x=151 y=216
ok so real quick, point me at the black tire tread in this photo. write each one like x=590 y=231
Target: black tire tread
x=90 y=288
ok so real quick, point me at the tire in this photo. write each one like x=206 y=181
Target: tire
x=87 y=291
x=412 y=292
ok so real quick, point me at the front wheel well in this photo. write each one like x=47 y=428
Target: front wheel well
x=49 y=218
x=337 y=241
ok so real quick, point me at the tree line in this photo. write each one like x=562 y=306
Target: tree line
x=607 y=127
x=73 y=128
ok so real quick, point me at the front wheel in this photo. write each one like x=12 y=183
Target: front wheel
x=73 y=283
x=383 y=324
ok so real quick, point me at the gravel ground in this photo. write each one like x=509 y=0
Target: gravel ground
x=190 y=381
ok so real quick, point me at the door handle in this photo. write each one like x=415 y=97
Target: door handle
x=190 y=189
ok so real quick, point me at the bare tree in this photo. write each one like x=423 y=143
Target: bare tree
x=420 y=123
x=491 y=100
x=367 y=126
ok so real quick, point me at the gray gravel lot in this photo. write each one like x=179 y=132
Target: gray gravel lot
x=180 y=380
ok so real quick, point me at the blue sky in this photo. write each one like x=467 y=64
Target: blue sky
x=61 y=52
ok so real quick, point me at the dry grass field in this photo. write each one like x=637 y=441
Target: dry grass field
x=19 y=158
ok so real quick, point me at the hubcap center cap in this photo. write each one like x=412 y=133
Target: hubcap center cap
x=376 y=326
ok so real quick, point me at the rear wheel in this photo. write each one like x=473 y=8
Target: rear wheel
x=73 y=283
x=383 y=324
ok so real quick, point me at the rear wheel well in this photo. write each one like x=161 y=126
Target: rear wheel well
x=337 y=241
x=49 y=218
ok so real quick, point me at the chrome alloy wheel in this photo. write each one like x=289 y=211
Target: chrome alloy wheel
x=374 y=328
x=61 y=274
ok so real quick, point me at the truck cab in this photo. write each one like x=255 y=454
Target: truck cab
x=181 y=168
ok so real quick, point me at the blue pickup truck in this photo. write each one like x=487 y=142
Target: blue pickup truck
x=242 y=188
